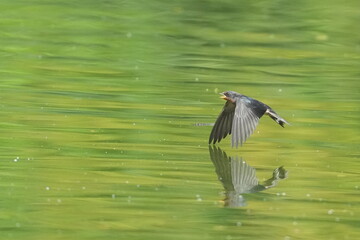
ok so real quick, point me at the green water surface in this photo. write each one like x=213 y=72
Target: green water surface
x=105 y=108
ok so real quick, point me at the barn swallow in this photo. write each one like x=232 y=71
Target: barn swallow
x=239 y=117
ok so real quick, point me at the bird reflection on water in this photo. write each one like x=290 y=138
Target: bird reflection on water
x=239 y=178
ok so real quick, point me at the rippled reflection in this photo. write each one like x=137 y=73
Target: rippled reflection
x=239 y=178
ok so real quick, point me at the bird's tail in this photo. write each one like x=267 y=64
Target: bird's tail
x=276 y=118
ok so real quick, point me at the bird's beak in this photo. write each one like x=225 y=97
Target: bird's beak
x=223 y=96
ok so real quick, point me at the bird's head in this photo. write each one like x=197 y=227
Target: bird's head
x=229 y=96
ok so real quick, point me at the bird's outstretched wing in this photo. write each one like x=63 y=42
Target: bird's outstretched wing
x=223 y=124
x=245 y=120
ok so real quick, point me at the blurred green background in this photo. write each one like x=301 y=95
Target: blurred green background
x=101 y=103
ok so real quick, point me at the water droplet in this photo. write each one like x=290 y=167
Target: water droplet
x=321 y=37
x=198 y=198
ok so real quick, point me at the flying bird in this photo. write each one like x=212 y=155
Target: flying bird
x=239 y=117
